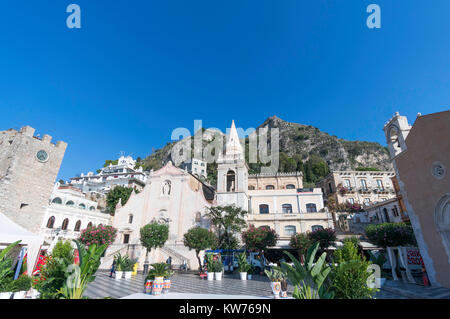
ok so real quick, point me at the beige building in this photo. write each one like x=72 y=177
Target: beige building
x=421 y=158
x=362 y=187
x=28 y=168
x=171 y=196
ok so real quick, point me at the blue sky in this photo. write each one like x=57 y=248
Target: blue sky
x=138 y=69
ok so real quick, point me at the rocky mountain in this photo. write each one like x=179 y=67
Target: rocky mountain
x=302 y=148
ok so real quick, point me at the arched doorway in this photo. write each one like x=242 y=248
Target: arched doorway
x=442 y=221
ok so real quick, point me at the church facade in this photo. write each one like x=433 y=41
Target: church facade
x=177 y=197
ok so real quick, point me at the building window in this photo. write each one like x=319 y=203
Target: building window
x=290 y=186
x=130 y=219
x=70 y=203
x=351 y=200
x=290 y=230
x=287 y=208
x=92 y=208
x=198 y=217
x=330 y=187
x=316 y=227
x=380 y=184
x=231 y=180
x=82 y=206
x=57 y=200
x=126 y=238
x=51 y=222
x=65 y=224
x=395 y=211
x=367 y=201
x=251 y=188
x=89 y=225
x=364 y=184
x=263 y=209
x=347 y=183
x=311 y=208
x=77 y=226
x=270 y=187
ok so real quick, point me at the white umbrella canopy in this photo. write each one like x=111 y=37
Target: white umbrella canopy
x=10 y=232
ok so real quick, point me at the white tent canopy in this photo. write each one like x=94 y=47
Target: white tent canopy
x=10 y=232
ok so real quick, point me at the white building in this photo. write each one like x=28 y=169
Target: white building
x=123 y=173
x=196 y=167
x=69 y=212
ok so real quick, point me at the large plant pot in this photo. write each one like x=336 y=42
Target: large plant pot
x=166 y=286
x=119 y=275
x=5 y=295
x=218 y=275
x=276 y=289
x=243 y=275
x=148 y=287
x=210 y=276
x=128 y=274
x=249 y=276
x=158 y=285
x=20 y=295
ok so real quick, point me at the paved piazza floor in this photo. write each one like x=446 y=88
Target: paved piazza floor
x=104 y=286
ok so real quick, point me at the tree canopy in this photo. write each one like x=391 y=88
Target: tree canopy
x=198 y=239
x=113 y=197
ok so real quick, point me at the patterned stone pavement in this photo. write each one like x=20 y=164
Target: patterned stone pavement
x=416 y=291
x=104 y=286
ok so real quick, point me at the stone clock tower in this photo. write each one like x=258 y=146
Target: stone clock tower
x=232 y=174
x=28 y=169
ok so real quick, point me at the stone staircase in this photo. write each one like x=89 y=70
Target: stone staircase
x=177 y=257
x=107 y=260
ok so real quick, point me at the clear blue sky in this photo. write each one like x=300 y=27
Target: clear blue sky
x=138 y=69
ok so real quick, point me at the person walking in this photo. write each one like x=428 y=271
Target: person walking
x=113 y=268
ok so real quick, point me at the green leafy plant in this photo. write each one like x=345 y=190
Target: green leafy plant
x=117 y=193
x=120 y=262
x=275 y=274
x=6 y=271
x=99 y=235
x=301 y=242
x=309 y=279
x=80 y=276
x=349 y=278
x=218 y=266
x=243 y=265
x=159 y=270
x=198 y=239
x=258 y=239
x=23 y=283
x=325 y=237
x=391 y=235
x=210 y=263
x=154 y=235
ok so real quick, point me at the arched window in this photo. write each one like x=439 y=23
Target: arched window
x=92 y=208
x=290 y=186
x=65 y=224
x=290 y=230
x=231 y=181
x=263 y=209
x=311 y=208
x=51 y=222
x=287 y=208
x=57 y=200
x=70 y=203
x=82 y=206
x=77 y=226
x=316 y=227
x=251 y=188
x=270 y=187
x=198 y=217
x=130 y=219
x=89 y=225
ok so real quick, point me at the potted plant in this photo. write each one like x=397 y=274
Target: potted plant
x=120 y=263
x=167 y=282
x=243 y=266
x=128 y=265
x=20 y=286
x=210 y=267
x=218 y=268
x=275 y=277
x=156 y=274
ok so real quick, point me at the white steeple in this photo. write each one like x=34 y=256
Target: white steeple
x=233 y=146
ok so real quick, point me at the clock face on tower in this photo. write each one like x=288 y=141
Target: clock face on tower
x=42 y=156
